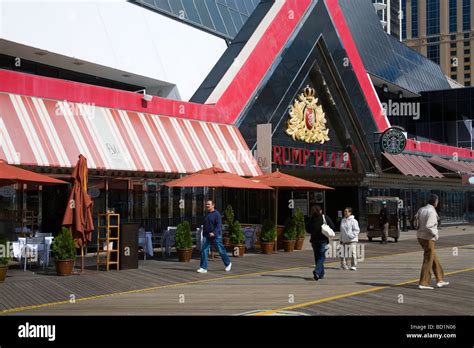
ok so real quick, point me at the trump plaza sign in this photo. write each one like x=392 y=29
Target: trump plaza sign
x=301 y=157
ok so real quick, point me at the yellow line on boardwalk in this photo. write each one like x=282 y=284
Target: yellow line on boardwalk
x=49 y=304
x=350 y=294
x=19 y=309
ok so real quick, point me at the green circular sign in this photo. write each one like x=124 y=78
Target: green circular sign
x=393 y=141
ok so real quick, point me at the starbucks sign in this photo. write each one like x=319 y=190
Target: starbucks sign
x=393 y=141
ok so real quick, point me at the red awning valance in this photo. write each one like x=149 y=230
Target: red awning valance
x=44 y=132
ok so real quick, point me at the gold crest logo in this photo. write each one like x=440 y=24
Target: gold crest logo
x=307 y=119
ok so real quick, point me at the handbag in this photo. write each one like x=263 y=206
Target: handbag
x=326 y=230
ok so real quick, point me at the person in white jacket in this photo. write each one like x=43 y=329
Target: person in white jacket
x=349 y=237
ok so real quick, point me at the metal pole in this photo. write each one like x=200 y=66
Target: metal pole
x=276 y=218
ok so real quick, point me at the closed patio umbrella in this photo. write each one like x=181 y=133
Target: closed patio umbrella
x=279 y=180
x=78 y=215
x=11 y=175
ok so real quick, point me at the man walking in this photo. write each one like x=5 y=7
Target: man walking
x=383 y=221
x=213 y=234
x=427 y=235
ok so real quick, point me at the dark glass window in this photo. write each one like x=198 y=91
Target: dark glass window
x=432 y=17
x=414 y=19
x=467 y=43
x=453 y=8
x=222 y=17
x=404 y=19
x=466 y=15
x=433 y=53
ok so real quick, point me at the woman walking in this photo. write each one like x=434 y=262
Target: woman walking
x=318 y=240
x=349 y=238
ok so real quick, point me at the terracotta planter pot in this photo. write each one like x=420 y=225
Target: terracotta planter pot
x=184 y=255
x=64 y=267
x=289 y=245
x=3 y=273
x=238 y=250
x=299 y=244
x=267 y=247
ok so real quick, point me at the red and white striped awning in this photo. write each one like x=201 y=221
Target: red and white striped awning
x=44 y=132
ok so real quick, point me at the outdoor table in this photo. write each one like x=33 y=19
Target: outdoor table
x=19 y=249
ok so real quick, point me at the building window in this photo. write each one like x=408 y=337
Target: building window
x=468 y=51
x=466 y=15
x=414 y=19
x=454 y=52
x=432 y=17
x=433 y=53
x=467 y=83
x=454 y=77
x=467 y=35
x=453 y=37
x=467 y=76
x=467 y=59
x=453 y=8
x=404 y=19
x=467 y=43
x=454 y=69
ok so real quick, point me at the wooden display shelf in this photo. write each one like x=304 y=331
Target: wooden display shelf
x=112 y=235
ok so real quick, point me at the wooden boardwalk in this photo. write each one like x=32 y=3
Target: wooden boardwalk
x=257 y=282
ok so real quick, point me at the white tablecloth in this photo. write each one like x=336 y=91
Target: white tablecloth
x=19 y=249
x=148 y=242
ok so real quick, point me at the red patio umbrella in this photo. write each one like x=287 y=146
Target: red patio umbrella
x=78 y=215
x=279 y=180
x=11 y=175
x=217 y=178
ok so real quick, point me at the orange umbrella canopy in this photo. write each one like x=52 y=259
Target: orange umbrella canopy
x=11 y=175
x=78 y=213
x=216 y=177
x=281 y=180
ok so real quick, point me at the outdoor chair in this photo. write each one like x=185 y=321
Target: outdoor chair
x=250 y=237
x=168 y=240
x=32 y=249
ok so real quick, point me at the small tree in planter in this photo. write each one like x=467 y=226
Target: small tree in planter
x=267 y=236
x=237 y=239
x=64 y=252
x=4 y=257
x=289 y=235
x=229 y=220
x=300 y=229
x=184 y=242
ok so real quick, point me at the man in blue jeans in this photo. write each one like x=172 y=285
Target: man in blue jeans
x=213 y=234
x=319 y=241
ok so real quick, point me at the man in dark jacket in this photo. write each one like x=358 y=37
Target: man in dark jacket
x=383 y=221
x=318 y=240
x=213 y=234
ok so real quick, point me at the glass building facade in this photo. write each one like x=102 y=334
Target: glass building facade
x=221 y=17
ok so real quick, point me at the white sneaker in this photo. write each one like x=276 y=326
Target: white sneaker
x=442 y=284
x=228 y=268
x=422 y=287
x=353 y=268
x=344 y=267
x=202 y=270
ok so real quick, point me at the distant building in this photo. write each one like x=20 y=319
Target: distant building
x=390 y=14
x=443 y=31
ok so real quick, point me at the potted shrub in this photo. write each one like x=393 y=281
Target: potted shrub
x=229 y=220
x=300 y=229
x=267 y=237
x=4 y=257
x=184 y=242
x=237 y=239
x=64 y=252
x=289 y=235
